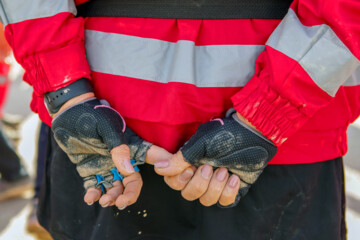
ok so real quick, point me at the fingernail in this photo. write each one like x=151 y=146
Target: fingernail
x=90 y=203
x=122 y=207
x=161 y=164
x=206 y=171
x=221 y=174
x=105 y=205
x=234 y=180
x=186 y=175
x=128 y=166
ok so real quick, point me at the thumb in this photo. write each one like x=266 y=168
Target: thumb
x=121 y=158
x=156 y=154
x=173 y=166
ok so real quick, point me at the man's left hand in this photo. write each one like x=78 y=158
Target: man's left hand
x=226 y=144
x=202 y=183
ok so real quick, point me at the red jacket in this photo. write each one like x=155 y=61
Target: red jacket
x=297 y=80
x=5 y=51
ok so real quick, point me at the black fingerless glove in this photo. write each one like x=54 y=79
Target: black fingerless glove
x=231 y=144
x=87 y=132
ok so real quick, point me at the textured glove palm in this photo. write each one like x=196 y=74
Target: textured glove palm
x=231 y=144
x=87 y=132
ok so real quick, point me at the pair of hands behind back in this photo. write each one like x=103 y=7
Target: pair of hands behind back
x=87 y=130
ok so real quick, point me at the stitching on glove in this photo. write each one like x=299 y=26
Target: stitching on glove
x=105 y=106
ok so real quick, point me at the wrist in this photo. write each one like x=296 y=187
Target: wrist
x=246 y=122
x=73 y=101
x=56 y=99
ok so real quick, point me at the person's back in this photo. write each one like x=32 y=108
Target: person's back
x=169 y=66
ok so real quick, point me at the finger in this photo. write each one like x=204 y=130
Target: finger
x=121 y=158
x=230 y=191
x=109 y=198
x=216 y=187
x=92 y=195
x=178 y=182
x=198 y=184
x=173 y=166
x=132 y=188
x=156 y=153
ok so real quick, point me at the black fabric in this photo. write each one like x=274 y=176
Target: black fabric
x=227 y=143
x=10 y=163
x=186 y=9
x=42 y=155
x=288 y=202
x=87 y=132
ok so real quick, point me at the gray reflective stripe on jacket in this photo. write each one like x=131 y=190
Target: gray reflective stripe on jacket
x=215 y=65
x=318 y=50
x=163 y=62
x=14 y=11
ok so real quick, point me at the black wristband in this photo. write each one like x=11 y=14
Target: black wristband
x=54 y=100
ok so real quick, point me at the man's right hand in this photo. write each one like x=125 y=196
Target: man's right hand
x=93 y=136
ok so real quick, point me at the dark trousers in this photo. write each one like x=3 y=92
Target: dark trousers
x=287 y=202
x=10 y=166
x=42 y=155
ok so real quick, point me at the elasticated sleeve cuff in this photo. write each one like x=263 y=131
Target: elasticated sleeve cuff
x=275 y=116
x=49 y=71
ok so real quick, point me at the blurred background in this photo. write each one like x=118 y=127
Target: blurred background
x=22 y=127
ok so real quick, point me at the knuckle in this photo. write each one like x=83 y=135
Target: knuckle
x=118 y=202
x=227 y=200
x=205 y=201
x=227 y=194
x=170 y=183
x=175 y=185
x=109 y=195
x=114 y=194
x=216 y=189
x=189 y=196
x=136 y=177
x=131 y=199
x=198 y=189
x=223 y=203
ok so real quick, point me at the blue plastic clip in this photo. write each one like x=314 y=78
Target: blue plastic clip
x=99 y=179
x=116 y=174
x=136 y=167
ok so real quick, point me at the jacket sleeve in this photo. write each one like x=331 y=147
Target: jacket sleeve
x=47 y=40
x=311 y=53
